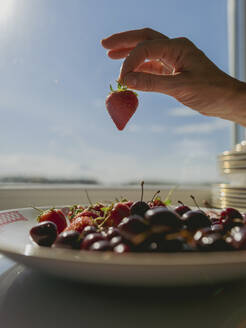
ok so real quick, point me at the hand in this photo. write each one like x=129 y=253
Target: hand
x=176 y=67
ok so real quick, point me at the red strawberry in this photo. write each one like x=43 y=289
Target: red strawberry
x=118 y=213
x=128 y=203
x=55 y=216
x=79 y=224
x=121 y=105
x=90 y=213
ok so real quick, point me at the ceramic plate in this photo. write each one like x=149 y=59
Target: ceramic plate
x=142 y=269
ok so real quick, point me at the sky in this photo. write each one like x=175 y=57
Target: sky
x=55 y=77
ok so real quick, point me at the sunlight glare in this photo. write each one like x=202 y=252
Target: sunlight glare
x=6 y=10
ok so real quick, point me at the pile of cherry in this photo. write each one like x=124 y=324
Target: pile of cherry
x=141 y=226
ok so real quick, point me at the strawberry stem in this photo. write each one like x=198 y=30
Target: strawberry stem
x=38 y=209
x=87 y=195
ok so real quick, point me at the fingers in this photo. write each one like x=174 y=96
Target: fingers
x=154 y=67
x=119 y=53
x=169 y=51
x=167 y=84
x=130 y=39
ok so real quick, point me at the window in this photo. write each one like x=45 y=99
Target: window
x=55 y=77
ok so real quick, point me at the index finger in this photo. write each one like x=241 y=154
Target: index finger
x=169 y=51
x=130 y=39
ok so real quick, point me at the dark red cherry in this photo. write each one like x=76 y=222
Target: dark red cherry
x=212 y=242
x=195 y=220
x=112 y=232
x=215 y=221
x=134 y=229
x=218 y=228
x=134 y=224
x=89 y=229
x=162 y=219
x=238 y=235
x=181 y=209
x=139 y=208
x=116 y=241
x=122 y=248
x=90 y=239
x=101 y=245
x=68 y=239
x=44 y=233
x=230 y=213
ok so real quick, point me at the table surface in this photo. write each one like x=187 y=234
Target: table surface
x=33 y=299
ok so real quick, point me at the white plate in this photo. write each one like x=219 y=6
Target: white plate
x=143 y=269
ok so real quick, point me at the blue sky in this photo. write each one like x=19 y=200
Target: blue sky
x=55 y=76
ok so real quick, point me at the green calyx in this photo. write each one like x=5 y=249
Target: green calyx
x=120 y=87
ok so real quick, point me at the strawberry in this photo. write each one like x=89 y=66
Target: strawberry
x=79 y=223
x=89 y=213
x=121 y=105
x=117 y=214
x=55 y=216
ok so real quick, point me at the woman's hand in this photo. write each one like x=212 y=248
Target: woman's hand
x=176 y=67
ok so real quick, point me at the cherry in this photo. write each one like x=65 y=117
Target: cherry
x=238 y=235
x=44 y=233
x=101 y=245
x=171 y=245
x=215 y=221
x=181 y=209
x=133 y=229
x=134 y=224
x=217 y=228
x=212 y=242
x=195 y=220
x=163 y=219
x=54 y=215
x=90 y=239
x=68 y=239
x=139 y=207
x=122 y=248
x=89 y=229
x=156 y=201
x=112 y=232
x=116 y=241
x=230 y=213
x=230 y=218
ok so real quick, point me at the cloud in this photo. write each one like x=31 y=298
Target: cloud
x=182 y=111
x=202 y=128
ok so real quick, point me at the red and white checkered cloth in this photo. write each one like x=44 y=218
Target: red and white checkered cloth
x=10 y=217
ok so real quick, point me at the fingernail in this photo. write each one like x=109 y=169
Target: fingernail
x=130 y=80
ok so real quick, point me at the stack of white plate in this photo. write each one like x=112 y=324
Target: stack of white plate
x=232 y=165
x=225 y=195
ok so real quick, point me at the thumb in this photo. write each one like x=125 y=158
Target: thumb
x=151 y=82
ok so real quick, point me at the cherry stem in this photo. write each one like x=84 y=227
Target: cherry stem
x=179 y=201
x=155 y=195
x=142 y=183
x=194 y=200
x=87 y=195
x=208 y=206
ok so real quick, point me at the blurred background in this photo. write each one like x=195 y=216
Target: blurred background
x=55 y=76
